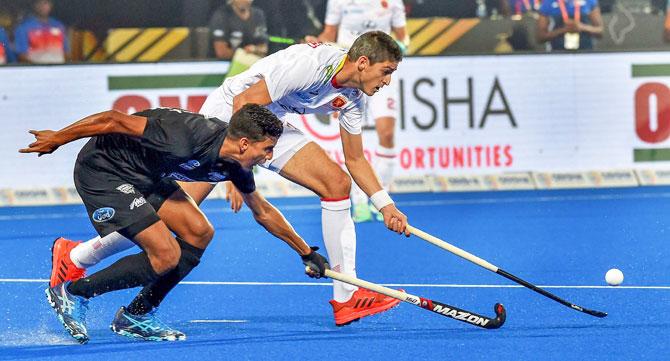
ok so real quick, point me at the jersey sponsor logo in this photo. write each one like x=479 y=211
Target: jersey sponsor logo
x=103 y=214
x=339 y=102
x=137 y=202
x=190 y=165
x=126 y=188
x=179 y=177
x=217 y=176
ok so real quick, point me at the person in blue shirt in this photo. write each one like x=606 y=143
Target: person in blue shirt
x=40 y=38
x=6 y=53
x=567 y=26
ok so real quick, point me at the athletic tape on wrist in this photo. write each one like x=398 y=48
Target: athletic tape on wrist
x=381 y=199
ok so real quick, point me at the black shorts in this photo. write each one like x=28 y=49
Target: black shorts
x=115 y=204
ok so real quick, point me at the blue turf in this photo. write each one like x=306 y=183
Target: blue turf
x=562 y=238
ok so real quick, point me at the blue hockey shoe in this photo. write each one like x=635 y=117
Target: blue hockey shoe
x=70 y=309
x=146 y=327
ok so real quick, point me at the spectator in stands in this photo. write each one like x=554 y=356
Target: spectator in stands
x=6 y=53
x=569 y=27
x=41 y=39
x=235 y=25
x=306 y=18
x=666 y=27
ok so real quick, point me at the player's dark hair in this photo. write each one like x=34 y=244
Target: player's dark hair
x=377 y=46
x=254 y=122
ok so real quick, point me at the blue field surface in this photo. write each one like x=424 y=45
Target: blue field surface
x=249 y=300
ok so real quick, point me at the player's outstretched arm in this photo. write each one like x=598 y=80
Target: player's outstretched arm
x=363 y=174
x=108 y=122
x=274 y=222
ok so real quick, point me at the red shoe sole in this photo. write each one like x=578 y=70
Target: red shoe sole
x=355 y=316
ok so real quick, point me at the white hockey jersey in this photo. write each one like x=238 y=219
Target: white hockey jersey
x=355 y=17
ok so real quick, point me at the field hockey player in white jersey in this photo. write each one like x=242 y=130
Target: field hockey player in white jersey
x=304 y=78
x=345 y=21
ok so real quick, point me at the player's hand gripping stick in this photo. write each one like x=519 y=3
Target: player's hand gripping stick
x=315 y=264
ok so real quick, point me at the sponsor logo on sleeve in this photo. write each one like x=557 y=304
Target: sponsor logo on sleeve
x=103 y=214
x=217 y=176
x=137 y=202
x=190 y=165
x=126 y=188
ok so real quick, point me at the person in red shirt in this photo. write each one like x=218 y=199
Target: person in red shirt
x=41 y=39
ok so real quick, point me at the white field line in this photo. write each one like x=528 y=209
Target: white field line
x=312 y=284
x=315 y=205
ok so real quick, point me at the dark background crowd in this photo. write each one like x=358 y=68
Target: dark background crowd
x=21 y=19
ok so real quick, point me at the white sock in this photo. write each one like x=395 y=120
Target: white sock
x=384 y=163
x=339 y=236
x=94 y=250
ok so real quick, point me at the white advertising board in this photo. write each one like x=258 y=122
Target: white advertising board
x=479 y=115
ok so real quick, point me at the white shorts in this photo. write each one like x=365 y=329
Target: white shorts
x=290 y=142
x=384 y=103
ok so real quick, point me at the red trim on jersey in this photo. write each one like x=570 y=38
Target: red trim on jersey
x=334 y=199
x=333 y=81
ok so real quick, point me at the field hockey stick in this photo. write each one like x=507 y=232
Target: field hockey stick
x=430 y=305
x=478 y=261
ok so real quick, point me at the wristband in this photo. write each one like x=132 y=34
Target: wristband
x=381 y=199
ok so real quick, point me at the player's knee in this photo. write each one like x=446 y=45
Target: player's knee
x=166 y=258
x=339 y=185
x=202 y=233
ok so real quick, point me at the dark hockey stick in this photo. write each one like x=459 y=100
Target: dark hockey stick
x=480 y=262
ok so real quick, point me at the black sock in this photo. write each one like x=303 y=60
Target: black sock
x=152 y=295
x=130 y=271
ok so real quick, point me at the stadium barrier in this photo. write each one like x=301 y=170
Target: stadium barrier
x=276 y=188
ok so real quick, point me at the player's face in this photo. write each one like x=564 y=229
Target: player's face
x=258 y=152
x=375 y=76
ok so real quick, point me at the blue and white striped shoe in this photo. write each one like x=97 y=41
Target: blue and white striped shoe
x=70 y=309
x=146 y=327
